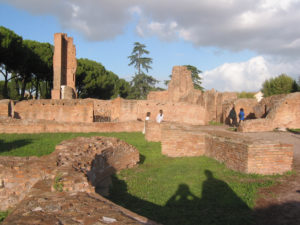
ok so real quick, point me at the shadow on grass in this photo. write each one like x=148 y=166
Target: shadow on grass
x=142 y=159
x=219 y=204
x=278 y=214
x=8 y=146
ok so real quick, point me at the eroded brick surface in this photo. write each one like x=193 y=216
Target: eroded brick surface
x=83 y=166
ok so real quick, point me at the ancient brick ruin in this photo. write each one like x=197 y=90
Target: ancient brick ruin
x=184 y=133
x=64 y=187
x=64 y=67
x=237 y=151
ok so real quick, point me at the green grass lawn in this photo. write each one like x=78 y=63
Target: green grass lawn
x=296 y=131
x=193 y=190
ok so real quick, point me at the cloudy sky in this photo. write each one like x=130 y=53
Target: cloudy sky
x=236 y=43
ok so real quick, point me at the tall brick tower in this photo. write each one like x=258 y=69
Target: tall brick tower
x=64 y=67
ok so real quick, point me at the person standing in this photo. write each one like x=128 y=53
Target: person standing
x=146 y=119
x=160 y=116
x=241 y=115
x=232 y=116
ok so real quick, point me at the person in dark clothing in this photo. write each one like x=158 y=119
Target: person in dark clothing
x=232 y=116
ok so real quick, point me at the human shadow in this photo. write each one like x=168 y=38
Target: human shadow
x=8 y=146
x=287 y=213
x=219 y=204
x=142 y=159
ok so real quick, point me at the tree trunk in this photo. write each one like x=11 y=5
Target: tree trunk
x=23 y=88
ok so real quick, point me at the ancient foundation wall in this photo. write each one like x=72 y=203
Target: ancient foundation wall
x=233 y=154
x=269 y=158
x=235 y=151
x=23 y=126
x=55 y=110
x=177 y=142
x=153 y=131
x=68 y=179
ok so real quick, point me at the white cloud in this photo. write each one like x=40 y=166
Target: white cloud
x=247 y=76
x=96 y=20
x=263 y=26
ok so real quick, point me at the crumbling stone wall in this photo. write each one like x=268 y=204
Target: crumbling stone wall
x=83 y=165
x=64 y=67
x=247 y=104
x=284 y=113
x=181 y=90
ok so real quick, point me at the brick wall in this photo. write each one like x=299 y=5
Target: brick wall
x=153 y=131
x=160 y=96
x=56 y=110
x=233 y=154
x=247 y=104
x=269 y=158
x=236 y=151
x=284 y=113
x=64 y=66
x=20 y=126
x=102 y=110
x=177 y=142
x=5 y=107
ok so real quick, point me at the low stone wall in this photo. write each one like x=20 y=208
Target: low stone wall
x=55 y=110
x=177 y=141
x=60 y=188
x=153 y=131
x=235 y=150
x=42 y=126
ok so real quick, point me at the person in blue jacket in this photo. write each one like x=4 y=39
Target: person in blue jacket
x=241 y=115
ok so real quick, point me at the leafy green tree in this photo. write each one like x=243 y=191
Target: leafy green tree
x=244 y=94
x=195 y=77
x=137 y=59
x=122 y=89
x=39 y=63
x=282 y=84
x=94 y=81
x=10 y=55
x=141 y=84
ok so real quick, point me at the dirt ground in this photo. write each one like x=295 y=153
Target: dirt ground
x=280 y=204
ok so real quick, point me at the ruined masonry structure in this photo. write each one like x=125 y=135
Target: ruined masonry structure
x=64 y=67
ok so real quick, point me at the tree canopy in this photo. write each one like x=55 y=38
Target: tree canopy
x=137 y=59
x=94 y=81
x=141 y=83
x=27 y=65
x=283 y=84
